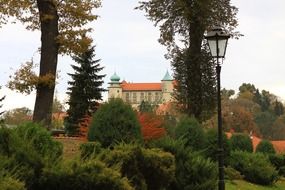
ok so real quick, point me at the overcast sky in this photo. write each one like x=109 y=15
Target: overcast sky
x=126 y=42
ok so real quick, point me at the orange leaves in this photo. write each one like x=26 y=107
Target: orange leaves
x=151 y=126
x=84 y=126
x=25 y=79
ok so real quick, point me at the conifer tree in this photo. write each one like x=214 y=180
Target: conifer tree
x=84 y=91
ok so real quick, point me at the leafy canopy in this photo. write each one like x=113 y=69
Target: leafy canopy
x=73 y=18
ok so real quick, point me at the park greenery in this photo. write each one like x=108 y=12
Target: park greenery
x=126 y=148
x=121 y=158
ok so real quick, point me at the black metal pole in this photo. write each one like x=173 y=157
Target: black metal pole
x=220 y=130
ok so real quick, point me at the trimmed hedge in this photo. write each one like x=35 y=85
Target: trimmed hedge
x=265 y=147
x=114 y=121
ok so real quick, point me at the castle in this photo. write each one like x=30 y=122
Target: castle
x=135 y=93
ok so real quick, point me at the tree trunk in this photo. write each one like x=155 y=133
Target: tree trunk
x=194 y=69
x=48 y=61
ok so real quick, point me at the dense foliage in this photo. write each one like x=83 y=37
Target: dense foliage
x=26 y=150
x=151 y=126
x=114 y=121
x=192 y=170
x=241 y=142
x=147 y=169
x=256 y=168
x=191 y=132
x=85 y=90
x=182 y=27
x=211 y=146
x=252 y=111
x=89 y=150
x=62 y=30
x=265 y=147
x=91 y=174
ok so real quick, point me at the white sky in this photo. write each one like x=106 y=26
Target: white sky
x=127 y=43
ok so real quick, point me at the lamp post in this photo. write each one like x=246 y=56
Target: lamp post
x=217 y=41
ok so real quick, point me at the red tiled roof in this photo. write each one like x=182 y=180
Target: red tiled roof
x=141 y=86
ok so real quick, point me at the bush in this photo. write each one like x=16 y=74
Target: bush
x=91 y=174
x=241 y=142
x=191 y=131
x=265 y=147
x=40 y=138
x=114 y=122
x=255 y=168
x=89 y=149
x=147 y=169
x=211 y=145
x=192 y=170
x=278 y=161
x=10 y=183
x=232 y=174
x=28 y=148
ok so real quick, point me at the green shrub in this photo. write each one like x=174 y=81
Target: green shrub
x=147 y=169
x=191 y=131
x=192 y=170
x=29 y=148
x=114 y=122
x=278 y=161
x=255 y=168
x=40 y=138
x=89 y=149
x=241 y=142
x=91 y=174
x=10 y=183
x=232 y=174
x=265 y=147
x=211 y=145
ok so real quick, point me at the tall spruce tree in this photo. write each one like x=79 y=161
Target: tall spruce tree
x=85 y=89
x=185 y=22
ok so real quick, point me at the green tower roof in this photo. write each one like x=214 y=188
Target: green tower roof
x=167 y=77
x=115 y=78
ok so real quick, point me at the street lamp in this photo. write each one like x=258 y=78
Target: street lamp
x=217 y=41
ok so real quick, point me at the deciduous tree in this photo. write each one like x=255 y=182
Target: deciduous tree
x=151 y=126
x=185 y=22
x=62 y=24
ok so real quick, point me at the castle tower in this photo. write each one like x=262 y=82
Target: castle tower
x=115 y=89
x=167 y=87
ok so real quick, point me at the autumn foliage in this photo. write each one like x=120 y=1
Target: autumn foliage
x=151 y=126
x=84 y=126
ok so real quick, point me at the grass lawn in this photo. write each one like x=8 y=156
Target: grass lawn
x=243 y=185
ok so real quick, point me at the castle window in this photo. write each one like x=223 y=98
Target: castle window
x=156 y=97
x=134 y=97
x=142 y=96
x=127 y=97
x=149 y=98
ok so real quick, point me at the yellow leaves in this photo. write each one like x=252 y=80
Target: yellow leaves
x=74 y=42
x=25 y=80
x=73 y=17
